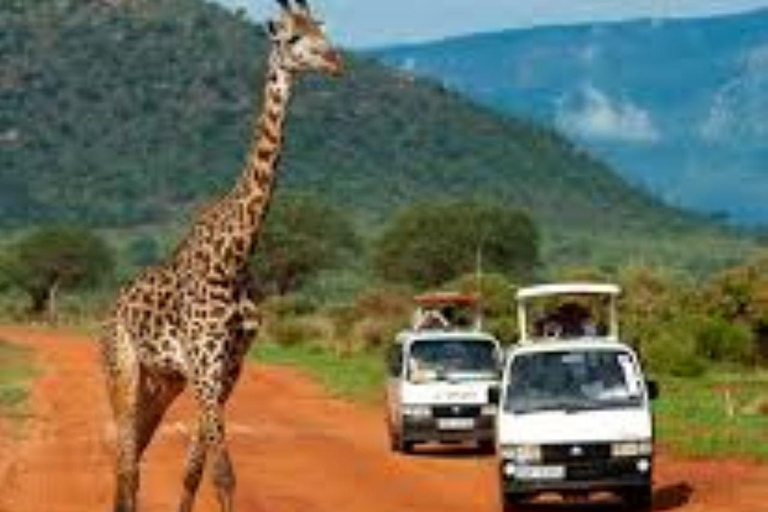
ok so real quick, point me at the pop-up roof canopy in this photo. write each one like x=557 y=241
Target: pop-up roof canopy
x=527 y=295
x=432 y=308
x=445 y=299
x=548 y=290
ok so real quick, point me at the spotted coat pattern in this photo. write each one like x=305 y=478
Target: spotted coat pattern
x=189 y=322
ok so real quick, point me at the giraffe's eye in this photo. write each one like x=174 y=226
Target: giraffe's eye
x=293 y=40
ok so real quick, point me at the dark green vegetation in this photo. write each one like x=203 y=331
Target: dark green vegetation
x=302 y=237
x=129 y=116
x=430 y=244
x=16 y=369
x=678 y=105
x=55 y=258
x=122 y=115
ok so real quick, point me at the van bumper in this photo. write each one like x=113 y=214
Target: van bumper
x=617 y=474
x=424 y=430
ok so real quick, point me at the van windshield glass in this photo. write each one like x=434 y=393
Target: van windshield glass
x=572 y=381
x=447 y=359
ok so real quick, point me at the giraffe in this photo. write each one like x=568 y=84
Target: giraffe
x=190 y=320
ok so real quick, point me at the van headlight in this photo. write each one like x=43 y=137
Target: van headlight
x=522 y=453
x=417 y=411
x=488 y=410
x=632 y=449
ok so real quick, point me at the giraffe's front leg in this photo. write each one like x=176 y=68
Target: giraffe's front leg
x=193 y=469
x=211 y=387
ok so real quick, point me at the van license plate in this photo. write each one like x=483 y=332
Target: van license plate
x=455 y=423
x=540 y=472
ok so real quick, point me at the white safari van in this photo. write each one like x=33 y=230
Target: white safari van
x=575 y=413
x=442 y=380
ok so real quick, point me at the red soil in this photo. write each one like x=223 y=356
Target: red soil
x=295 y=449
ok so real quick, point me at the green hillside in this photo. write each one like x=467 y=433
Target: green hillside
x=122 y=115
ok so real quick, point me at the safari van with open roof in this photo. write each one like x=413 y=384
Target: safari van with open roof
x=443 y=377
x=575 y=415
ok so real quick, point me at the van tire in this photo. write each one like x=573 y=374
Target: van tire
x=486 y=447
x=398 y=445
x=394 y=441
x=512 y=502
x=639 y=499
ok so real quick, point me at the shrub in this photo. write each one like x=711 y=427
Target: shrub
x=373 y=333
x=671 y=349
x=290 y=332
x=720 y=340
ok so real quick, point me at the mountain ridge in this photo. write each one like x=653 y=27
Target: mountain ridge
x=601 y=82
x=126 y=114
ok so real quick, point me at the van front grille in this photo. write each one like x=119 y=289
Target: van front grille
x=456 y=411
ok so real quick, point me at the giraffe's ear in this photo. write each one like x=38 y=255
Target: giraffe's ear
x=303 y=5
x=271 y=29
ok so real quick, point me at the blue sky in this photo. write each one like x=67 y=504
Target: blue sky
x=364 y=23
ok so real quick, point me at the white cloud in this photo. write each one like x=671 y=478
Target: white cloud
x=591 y=114
x=737 y=109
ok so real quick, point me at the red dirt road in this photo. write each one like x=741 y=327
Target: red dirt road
x=295 y=450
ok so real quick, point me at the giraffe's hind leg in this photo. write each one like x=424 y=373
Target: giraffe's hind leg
x=139 y=400
x=123 y=391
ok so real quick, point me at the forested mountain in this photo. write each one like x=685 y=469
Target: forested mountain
x=123 y=113
x=678 y=106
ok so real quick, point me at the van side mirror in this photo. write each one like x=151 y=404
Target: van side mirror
x=653 y=389
x=494 y=395
x=395 y=361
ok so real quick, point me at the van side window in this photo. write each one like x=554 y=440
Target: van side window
x=395 y=360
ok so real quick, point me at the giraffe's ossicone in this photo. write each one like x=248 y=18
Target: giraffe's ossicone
x=190 y=320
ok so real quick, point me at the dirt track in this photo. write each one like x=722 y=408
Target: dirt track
x=295 y=449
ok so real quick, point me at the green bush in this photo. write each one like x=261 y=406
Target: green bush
x=289 y=332
x=671 y=349
x=374 y=333
x=721 y=340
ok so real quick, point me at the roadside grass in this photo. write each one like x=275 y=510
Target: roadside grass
x=357 y=375
x=719 y=415
x=16 y=372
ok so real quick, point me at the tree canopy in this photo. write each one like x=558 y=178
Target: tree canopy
x=53 y=258
x=430 y=244
x=302 y=236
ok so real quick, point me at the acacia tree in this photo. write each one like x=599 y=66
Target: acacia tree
x=55 y=258
x=302 y=237
x=429 y=244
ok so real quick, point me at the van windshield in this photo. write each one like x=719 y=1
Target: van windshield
x=572 y=381
x=449 y=359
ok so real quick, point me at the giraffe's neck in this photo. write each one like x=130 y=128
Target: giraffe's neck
x=257 y=179
x=227 y=232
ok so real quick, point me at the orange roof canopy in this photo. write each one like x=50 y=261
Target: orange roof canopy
x=445 y=299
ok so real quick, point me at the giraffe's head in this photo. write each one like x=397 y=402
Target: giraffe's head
x=300 y=42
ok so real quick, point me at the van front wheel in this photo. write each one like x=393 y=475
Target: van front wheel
x=639 y=499
x=399 y=445
x=512 y=502
x=486 y=447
